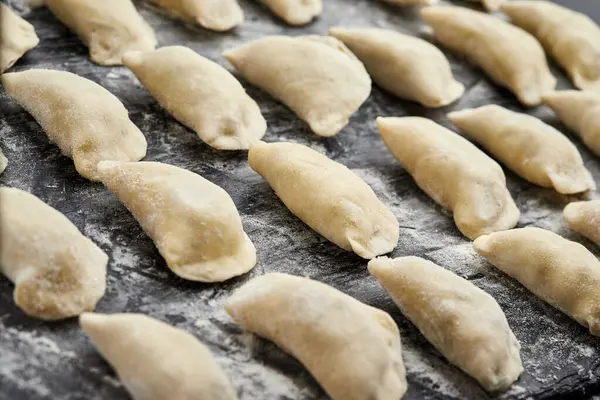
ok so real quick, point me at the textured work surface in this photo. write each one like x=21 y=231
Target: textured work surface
x=40 y=360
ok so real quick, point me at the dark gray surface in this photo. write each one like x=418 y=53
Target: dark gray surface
x=40 y=360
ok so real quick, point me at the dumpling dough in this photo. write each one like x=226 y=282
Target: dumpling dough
x=156 y=361
x=295 y=12
x=85 y=120
x=580 y=112
x=462 y=321
x=110 y=28
x=17 y=37
x=217 y=15
x=490 y=5
x=317 y=77
x=200 y=94
x=572 y=38
x=3 y=162
x=328 y=197
x=584 y=217
x=409 y=67
x=410 y=2
x=353 y=350
x=193 y=222
x=453 y=172
x=563 y=273
x=509 y=55
x=58 y=273
x=532 y=149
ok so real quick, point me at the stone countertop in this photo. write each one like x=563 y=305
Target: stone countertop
x=40 y=360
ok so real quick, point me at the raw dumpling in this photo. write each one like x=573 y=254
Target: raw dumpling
x=453 y=172
x=509 y=55
x=156 y=361
x=200 y=94
x=295 y=12
x=561 y=272
x=3 y=162
x=584 y=217
x=217 y=15
x=86 y=121
x=317 y=77
x=491 y=5
x=353 y=350
x=532 y=149
x=572 y=38
x=462 y=321
x=410 y=2
x=58 y=273
x=110 y=28
x=17 y=37
x=580 y=112
x=193 y=222
x=328 y=197
x=409 y=67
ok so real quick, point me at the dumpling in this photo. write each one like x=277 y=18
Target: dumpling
x=85 y=120
x=317 y=77
x=58 y=273
x=17 y=37
x=200 y=94
x=563 y=273
x=532 y=149
x=462 y=321
x=453 y=172
x=409 y=67
x=193 y=222
x=584 y=217
x=328 y=197
x=490 y=5
x=580 y=112
x=509 y=55
x=217 y=15
x=295 y=12
x=353 y=350
x=156 y=361
x=410 y=2
x=110 y=28
x=572 y=38
x=3 y=162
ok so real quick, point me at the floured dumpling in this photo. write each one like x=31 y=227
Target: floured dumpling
x=217 y=15
x=532 y=149
x=353 y=350
x=110 y=28
x=193 y=222
x=156 y=361
x=462 y=321
x=509 y=55
x=453 y=172
x=409 y=67
x=563 y=273
x=201 y=95
x=17 y=37
x=85 y=120
x=316 y=76
x=572 y=38
x=295 y=12
x=58 y=273
x=327 y=196
x=580 y=112
x=584 y=217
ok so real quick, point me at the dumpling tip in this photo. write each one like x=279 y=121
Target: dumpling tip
x=132 y=58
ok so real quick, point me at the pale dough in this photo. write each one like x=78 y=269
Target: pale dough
x=17 y=37
x=58 y=273
x=509 y=55
x=327 y=196
x=295 y=12
x=217 y=15
x=584 y=217
x=353 y=350
x=156 y=361
x=200 y=94
x=409 y=67
x=563 y=273
x=453 y=172
x=85 y=120
x=193 y=222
